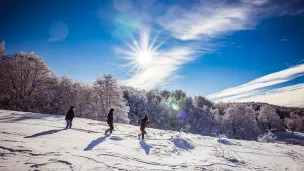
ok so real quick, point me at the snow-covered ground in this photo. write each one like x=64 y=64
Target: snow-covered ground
x=31 y=141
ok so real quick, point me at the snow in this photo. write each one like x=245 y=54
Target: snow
x=182 y=143
x=32 y=141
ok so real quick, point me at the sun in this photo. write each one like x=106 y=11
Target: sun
x=142 y=53
x=145 y=58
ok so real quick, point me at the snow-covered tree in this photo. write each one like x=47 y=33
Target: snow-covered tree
x=25 y=75
x=200 y=101
x=218 y=120
x=85 y=101
x=176 y=107
x=111 y=96
x=221 y=107
x=65 y=95
x=156 y=109
x=204 y=123
x=2 y=49
x=295 y=122
x=290 y=124
x=165 y=94
x=137 y=101
x=269 y=118
x=240 y=122
x=178 y=94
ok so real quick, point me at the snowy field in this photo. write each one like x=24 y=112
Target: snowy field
x=31 y=141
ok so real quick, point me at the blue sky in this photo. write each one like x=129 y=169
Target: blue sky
x=245 y=50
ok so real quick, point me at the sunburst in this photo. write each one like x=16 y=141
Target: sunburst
x=142 y=54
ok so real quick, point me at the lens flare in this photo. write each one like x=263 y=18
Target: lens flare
x=125 y=26
x=182 y=116
x=58 y=31
x=174 y=105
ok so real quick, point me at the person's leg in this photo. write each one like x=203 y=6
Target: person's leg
x=143 y=134
x=108 y=128
x=70 y=124
x=140 y=134
x=111 y=128
x=67 y=124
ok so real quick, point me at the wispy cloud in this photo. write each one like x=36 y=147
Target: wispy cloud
x=210 y=20
x=214 y=18
x=254 y=89
x=291 y=96
x=301 y=61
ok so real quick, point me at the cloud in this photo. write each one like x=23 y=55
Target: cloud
x=255 y=2
x=161 y=69
x=299 y=12
x=283 y=7
x=209 y=20
x=255 y=90
x=291 y=96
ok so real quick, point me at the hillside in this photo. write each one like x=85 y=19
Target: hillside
x=32 y=141
x=282 y=111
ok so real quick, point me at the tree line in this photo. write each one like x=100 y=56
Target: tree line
x=27 y=84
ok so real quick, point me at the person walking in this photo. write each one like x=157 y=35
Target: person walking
x=110 y=121
x=69 y=117
x=143 y=124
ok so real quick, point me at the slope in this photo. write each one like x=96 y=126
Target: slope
x=31 y=141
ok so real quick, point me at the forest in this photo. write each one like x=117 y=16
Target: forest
x=27 y=84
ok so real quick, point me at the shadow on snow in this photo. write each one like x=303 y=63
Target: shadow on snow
x=114 y=138
x=182 y=143
x=53 y=131
x=145 y=146
x=96 y=142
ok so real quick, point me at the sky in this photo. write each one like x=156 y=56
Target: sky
x=228 y=50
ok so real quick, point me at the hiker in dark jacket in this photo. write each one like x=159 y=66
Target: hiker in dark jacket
x=110 y=121
x=69 y=117
x=143 y=124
